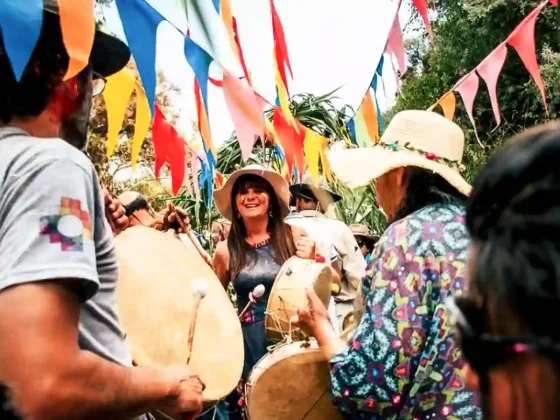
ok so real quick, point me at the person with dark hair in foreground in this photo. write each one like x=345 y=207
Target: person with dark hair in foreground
x=403 y=361
x=507 y=321
x=63 y=354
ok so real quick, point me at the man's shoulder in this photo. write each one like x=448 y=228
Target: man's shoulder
x=19 y=150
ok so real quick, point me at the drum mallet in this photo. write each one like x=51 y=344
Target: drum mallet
x=257 y=293
x=200 y=288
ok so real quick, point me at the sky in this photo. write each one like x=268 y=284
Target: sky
x=330 y=47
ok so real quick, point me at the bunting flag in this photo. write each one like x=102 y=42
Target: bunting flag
x=227 y=18
x=395 y=45
x=468 y=88
x=489 y=69
x=282 y=97
x=315 y=147
x=207 y=30
x=200 y=61
x=203 y=123
x=282 y=59
x=370 y=115
x=246 y=111
x=292 y=140
x=239 y=50
x=21 y=23
x=351 y=127
x=169 y=147
x=448 y=104
x=140 y=23
x=422 y=7
x=522 y=39
x=77 y=23
x=143 y=122
x=117 y=92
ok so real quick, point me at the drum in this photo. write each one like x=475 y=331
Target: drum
x=289 y=293
x=155 y=301
x=291 y=383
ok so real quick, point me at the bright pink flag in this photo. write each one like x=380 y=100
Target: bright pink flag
x=422 y=7
x=489 y=69
x=523 y=40
x=395 y=44
x=246 y=112
x=468 y=88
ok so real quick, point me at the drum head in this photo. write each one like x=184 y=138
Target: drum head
x=289 y=293
x=292 y=383
x=155 y=301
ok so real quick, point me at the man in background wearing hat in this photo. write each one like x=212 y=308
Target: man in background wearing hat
x=312 y=202
x=404 y=351
x=365 y=239
x=63 y=354
x=139 y=212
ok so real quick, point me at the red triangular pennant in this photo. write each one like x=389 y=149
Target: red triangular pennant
x=280 y=47
x=422 y=7
x=489 y=69
x=523 y=40
x=168 y=147
x=395 y=45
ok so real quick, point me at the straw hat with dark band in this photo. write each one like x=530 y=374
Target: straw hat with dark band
x=413 y=138
x=223 y=198
x=108 y=55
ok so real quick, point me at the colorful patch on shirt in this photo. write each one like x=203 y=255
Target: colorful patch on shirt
x=70 y=227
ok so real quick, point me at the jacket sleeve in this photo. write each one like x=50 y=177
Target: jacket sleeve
x=362 y=375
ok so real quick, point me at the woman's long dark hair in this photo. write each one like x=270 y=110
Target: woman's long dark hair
x=281 y=240
x=423 y=189
x=513 y=216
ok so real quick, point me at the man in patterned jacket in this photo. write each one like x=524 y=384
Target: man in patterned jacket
x=403 y=361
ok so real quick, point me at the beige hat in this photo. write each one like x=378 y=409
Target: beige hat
x=413 y=138
x=361 y=230
x=223 y=199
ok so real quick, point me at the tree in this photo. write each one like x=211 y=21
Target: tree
x=465 y=33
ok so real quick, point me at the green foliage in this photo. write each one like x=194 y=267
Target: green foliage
x=465 y=33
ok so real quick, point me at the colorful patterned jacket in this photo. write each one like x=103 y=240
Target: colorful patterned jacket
x=403 y=362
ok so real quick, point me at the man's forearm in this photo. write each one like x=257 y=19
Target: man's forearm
x=93 y=388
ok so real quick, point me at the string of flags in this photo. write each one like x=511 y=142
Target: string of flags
x=213 y=37
x=522 y=39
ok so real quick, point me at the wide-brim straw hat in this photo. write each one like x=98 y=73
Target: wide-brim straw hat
x=224 y=200
x=413 y=138
x=361 y=230
x=108 y=54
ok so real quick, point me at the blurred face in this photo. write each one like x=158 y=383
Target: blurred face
x=390 y=190
x=252 y=201
x=362 y=244
x=75 y=124
x=216 y=234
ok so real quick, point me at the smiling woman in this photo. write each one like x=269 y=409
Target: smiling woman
x=256 y=201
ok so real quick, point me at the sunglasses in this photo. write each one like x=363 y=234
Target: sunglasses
x=99 y=83
x=483 y=350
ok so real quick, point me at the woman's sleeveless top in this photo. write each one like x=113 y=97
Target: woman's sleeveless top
x=261 y=268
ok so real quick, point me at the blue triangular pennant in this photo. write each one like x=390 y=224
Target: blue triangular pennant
x=200 y=61
x=21 y=22
x=140 y=22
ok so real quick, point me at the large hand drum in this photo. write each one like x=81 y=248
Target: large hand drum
x=293 y=382
x=289 y=293
x=156 y=304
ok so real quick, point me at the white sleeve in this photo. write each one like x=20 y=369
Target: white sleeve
x=46 y=226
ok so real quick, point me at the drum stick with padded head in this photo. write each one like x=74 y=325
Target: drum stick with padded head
x=257 y=293
x=200 y=288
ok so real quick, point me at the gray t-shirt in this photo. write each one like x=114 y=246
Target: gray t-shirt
x=53 y=226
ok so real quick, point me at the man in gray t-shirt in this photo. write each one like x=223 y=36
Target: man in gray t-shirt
x=63 y=354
